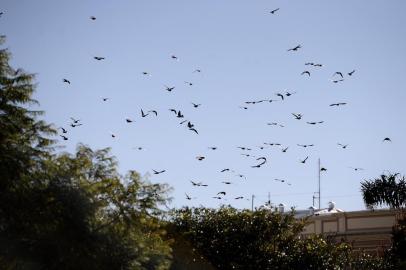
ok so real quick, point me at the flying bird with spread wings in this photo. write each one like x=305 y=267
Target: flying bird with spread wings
x=294 y=49
x=297 y=116
x=158 y=172
x=274 y=11
x=263 y=159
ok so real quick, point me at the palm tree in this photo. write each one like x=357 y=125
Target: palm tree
x=390 y=190
x=386 y=190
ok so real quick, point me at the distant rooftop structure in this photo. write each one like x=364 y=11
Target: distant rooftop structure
x=331 y=209
x=366 y=230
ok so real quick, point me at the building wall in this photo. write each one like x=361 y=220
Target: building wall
x=367 y=230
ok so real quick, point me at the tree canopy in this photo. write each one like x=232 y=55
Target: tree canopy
x=243 y=239
x=386 y=190
x=64 y=211
x=390 y=190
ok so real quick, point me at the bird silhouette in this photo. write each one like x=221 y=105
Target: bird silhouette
x=75 y=125
x=239 y=198
x=305 y=72
x=113 y=135
x=285 y=149
x=337 y=81
x=280 y=95
x=271 y=100
x=194 y=183
x=212 y=148
x=344 y=146
x=288 y=94
x=146 y=73
x=305 y=145
x=158 y=172
x=200 y=158
x=128 y=120
x=315 y=123
x=350 y=73
x=297 y=116
x=105 y=99
x=196 y=105
x=188 y=197
x=275 y=124
x=338 y=73
x=143 y=114
x=179 y=114
x=93 y=18
x=322 y=169
x=245 y=108
x=260 y=164
x=338 y=104
x=282 y=181
x=194 y=130
x=225 y=170
x=64 y=137
x=273 y=11
x=66 y=81
x=174 y=57
x=226 y=182
x=304 y=160
x=189 y=125
x=222 y=193
x=197 y=70
x=169 y=89
x=244 y=148
x=154 y=112
x=99 y=58
x=356 y=169
x=189 y=83
x=273 y=144
x=75 y=121
x=198 y=184
x=295 y=48
x=387 y=140
x=64 y=130
x=217 y=197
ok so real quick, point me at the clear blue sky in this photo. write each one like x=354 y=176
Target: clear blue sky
x=242 y=51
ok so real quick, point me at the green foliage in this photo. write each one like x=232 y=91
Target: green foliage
x=369 y=262
x=387 y=190
x=390 y=190
x=397 y=253
x=124 y=207
x=234 y=239
x=69 y=211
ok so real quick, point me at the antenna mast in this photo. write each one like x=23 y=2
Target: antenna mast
x=319 y=186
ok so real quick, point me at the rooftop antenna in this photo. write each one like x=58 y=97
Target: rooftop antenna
x=317 y=195
x=319 y=185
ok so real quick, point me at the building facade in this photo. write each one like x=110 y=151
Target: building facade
x=366 y=230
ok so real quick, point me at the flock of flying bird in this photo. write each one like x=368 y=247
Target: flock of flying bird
x=337 y=77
